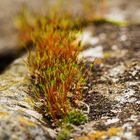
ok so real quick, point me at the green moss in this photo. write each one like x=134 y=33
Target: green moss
x=75 y=117
x=64 y=133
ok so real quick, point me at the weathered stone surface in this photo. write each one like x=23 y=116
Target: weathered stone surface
x=18 y=119
x=113 y=88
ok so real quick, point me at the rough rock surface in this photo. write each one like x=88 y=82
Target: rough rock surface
x=113 y=84
x=112 y=91
x=18 y=119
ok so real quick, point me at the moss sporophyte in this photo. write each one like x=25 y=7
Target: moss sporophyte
x=53 y=65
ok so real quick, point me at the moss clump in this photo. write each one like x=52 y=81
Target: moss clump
x=75 y=117
x=54 y=68
x=64 y=133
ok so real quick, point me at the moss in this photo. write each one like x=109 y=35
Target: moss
x=64 y=133
x=54 y=67
x=75 y=117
